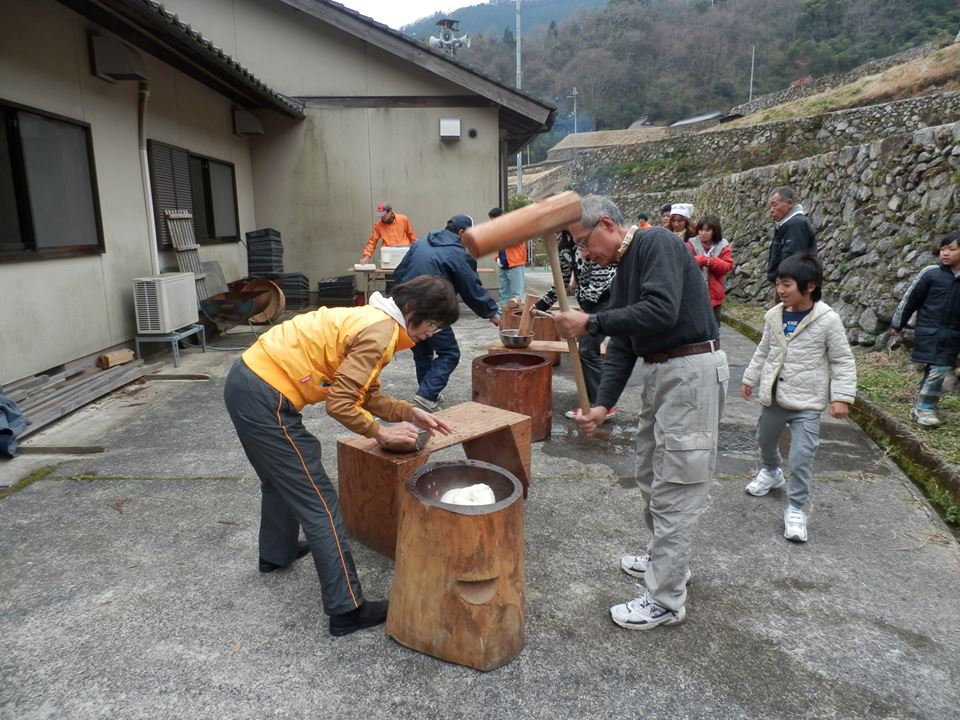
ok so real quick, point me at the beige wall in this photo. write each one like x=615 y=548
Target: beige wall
x=330 y=172
x=59 y=310
x=318 y=181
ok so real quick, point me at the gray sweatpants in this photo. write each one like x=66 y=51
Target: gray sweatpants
x=683 y=401
x=295 y=490
x=804 y=441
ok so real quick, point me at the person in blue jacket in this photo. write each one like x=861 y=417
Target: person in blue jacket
x=443 y=255
x=934 y=295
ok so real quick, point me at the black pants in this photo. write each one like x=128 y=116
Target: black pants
x=295 y=489
x=590 y=349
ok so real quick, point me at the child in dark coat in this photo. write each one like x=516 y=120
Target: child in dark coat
x=934 y=295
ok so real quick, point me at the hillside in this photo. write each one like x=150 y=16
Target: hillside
x=498 y=17
x=937 y=72
x=670 y=59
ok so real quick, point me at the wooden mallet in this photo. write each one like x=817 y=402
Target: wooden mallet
x=542 y=218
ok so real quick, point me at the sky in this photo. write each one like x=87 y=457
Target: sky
x=396 y=13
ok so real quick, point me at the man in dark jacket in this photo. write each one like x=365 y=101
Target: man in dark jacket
x=792 y=232
x=934 y=295
x=660 y=311
x=442 y=254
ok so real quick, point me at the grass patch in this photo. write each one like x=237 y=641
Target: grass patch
x=38 y=474
x=936 y=72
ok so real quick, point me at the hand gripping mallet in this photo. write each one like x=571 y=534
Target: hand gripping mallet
x=542 y=218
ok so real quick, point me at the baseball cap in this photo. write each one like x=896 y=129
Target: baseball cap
x=383 y=209
x=459 y=222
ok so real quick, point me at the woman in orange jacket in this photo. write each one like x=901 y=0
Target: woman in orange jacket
x=334 y=356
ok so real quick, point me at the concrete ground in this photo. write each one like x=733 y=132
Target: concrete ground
x=129 y=588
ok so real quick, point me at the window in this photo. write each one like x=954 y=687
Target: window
x=49 y=205
x=206 y=187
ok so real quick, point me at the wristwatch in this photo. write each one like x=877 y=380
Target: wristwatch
x=593 y=325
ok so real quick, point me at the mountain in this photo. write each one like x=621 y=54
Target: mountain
x=497 y=16
x=671 y=59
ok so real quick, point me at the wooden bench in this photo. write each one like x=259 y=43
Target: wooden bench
x=369 y=477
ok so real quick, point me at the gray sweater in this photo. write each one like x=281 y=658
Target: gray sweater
x=659 y=301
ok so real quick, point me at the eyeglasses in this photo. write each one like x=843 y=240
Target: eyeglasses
x=583 y=242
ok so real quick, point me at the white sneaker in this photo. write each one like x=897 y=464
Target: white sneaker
x=764 y=482
x=927 y=418
x=642 y=613
x=636 y=566
x=428 y=405
x=795 y=524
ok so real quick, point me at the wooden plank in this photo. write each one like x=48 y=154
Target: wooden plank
x=467 y=420
x=91 y=392
x=80 y=384
x=115 y=357
x=59 y=449
x=559 y=346
x=177 y=376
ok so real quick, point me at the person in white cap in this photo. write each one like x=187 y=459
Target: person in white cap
x=681 y=221
x=393 y=228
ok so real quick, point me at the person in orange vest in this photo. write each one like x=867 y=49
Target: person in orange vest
x=332 y=356
x=512 y=263
x=392 y=228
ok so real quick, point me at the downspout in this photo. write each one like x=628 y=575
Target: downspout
x=145 y=176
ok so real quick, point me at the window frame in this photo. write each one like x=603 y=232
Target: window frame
x=201 y=235
x=208 y=200
x=18 y=166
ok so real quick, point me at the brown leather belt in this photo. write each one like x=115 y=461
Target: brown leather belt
x=683 y=351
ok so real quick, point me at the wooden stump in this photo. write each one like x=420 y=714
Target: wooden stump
x=520 y=382
x=370 y=479
x=458 y=587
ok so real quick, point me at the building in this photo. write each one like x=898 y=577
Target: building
x=298 y=115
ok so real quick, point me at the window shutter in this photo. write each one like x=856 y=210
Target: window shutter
x=170 y=178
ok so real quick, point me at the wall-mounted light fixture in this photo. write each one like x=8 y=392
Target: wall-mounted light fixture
x=450 y=129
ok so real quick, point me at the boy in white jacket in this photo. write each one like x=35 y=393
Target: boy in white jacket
x=803 y=362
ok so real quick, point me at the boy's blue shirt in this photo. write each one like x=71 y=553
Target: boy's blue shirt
x=792 y=319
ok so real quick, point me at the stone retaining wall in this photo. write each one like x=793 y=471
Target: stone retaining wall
x=689 y=160
x=876 y=208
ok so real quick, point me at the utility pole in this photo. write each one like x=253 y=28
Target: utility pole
x=519 y=84
x=753 y=55
x=574 y=96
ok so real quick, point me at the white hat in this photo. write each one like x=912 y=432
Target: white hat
x=684 y=209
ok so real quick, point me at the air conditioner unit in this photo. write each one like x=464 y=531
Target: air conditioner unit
x=165 y=303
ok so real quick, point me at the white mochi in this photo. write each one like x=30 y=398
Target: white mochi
x=479 y=494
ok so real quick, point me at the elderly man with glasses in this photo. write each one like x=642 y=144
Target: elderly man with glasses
x=659 y=311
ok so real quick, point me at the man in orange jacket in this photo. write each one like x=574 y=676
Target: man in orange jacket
x=512 y=263
x=394 y=229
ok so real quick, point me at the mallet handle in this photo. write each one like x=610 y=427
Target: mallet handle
x=551 y=242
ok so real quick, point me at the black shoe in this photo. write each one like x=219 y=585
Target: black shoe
x=367 y=615
x=266 y=566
